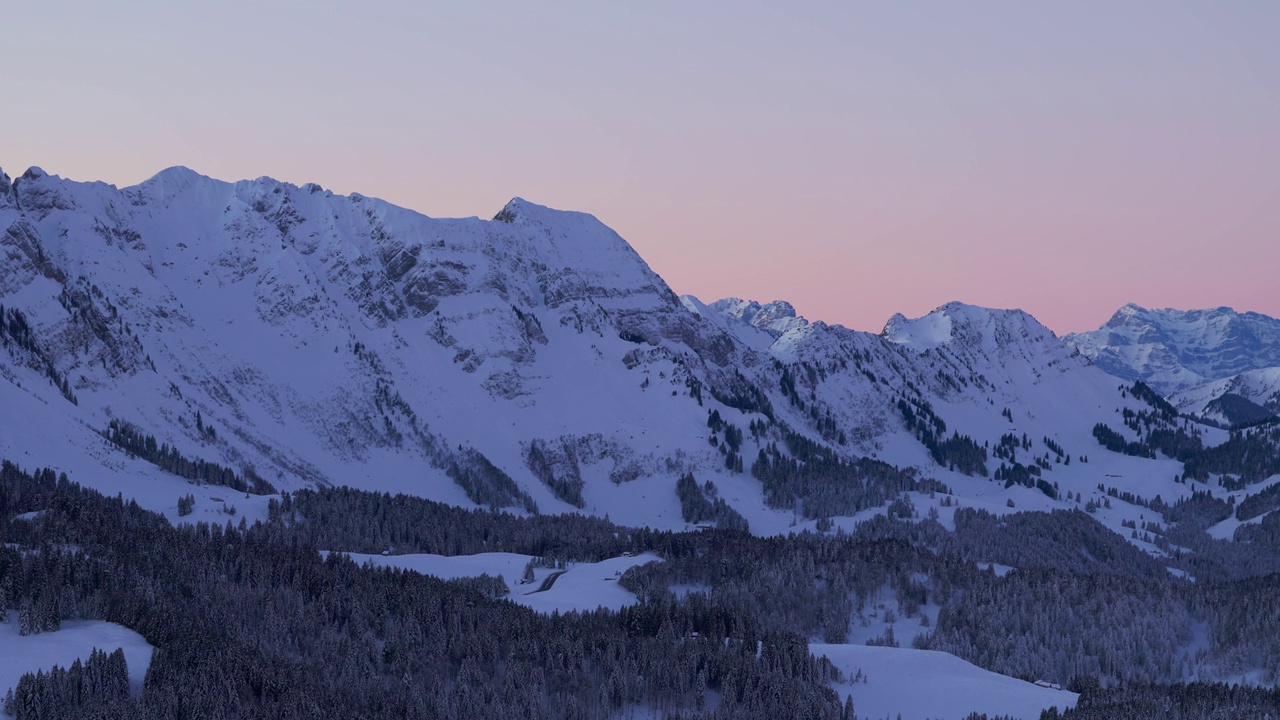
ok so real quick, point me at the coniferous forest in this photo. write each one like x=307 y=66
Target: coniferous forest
x=251 y=621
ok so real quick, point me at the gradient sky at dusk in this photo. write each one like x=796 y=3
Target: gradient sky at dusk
x=855 y=159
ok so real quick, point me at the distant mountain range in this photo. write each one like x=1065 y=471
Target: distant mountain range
x=266 y=335
x=1173 y=350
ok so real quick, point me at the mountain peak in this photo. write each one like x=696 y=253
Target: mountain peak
x=1172 y=349
x=519 y=211
x=774 y=318
x=972 y=323
x=1126 y=314
x=175 y=172
x=517 y=207
x=170 y=182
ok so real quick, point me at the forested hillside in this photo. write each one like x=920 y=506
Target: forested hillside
x=249 y=621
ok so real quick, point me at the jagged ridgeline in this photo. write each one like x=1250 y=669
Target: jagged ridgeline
x=269 y=336
x=1173 y=351
x=278 y=335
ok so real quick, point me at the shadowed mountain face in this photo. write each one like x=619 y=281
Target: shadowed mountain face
x=1173 y=350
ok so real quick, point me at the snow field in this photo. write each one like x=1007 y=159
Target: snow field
x=21 y=654
x=580 y=587
x=931 y=685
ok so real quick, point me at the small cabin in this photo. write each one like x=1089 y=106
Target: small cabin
x=1047 y=685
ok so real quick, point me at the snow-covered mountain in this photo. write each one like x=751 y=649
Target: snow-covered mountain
x=320 y=338
x=532 y=361
x=991 y=383
x=1172 y=350
x=1242 y=399
x=774 y=318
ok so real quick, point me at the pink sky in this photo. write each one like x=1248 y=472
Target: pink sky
x=856 y=160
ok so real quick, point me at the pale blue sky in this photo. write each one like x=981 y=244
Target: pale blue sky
x=858 y=159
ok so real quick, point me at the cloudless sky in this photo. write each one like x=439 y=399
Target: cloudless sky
x=857 y=159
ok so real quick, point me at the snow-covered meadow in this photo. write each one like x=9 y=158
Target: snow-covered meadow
x=577 y=587
x=930 y=685
x=21 y=654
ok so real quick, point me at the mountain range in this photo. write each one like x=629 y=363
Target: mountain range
x=269 y=336
x=1173 y=350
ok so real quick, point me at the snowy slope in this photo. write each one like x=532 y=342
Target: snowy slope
x=1256 y=393
x=931 y=685
x=531 y=360
x=971 y=364
x=332 y=339
x=76 y=640
x=578 y=587
x=1004 y=359
x=1176 y=349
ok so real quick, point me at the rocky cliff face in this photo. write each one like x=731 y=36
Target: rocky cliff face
x=1176 y=349
x=341 y=339
x=531 y=361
